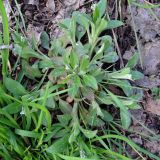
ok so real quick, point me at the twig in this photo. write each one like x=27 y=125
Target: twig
x=134 y=28
x=117 y=46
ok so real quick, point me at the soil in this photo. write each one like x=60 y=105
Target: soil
x=44 y=15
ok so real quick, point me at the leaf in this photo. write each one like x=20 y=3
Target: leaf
x=81 y=18
x=14 y=87
x=124 y=73
x=65 y=24
x=125 y=115
x=26 y=52
x=59 y=146
x=110 y=57
x=13 y=108
x=102 y=26
x=31 y=72
x=84 y=64
x=90 y=81
x=114 y=24
x=107 y=117
x=88 y=133
x=25 y=133
x=124 y=85
x=64 y=119
x=50 y=103
x=95 y=106
x=99 y=53
x=44 y=40
x=59 y=71
x=73 y=90
x=47 y=63
x=125 y=118
x=74 y=61
x=137 y=75
x=72 y=158
x=65 y=107
x=99 y=10
x=92 y=118
x=133 y=61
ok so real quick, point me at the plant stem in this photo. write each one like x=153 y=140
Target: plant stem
x=5 y=40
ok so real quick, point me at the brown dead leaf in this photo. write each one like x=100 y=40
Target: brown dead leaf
x=152 y=106
x=34 y=32
x=32 y=2
x=51 y=5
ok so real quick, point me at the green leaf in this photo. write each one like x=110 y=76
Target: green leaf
x=124 y=85
x=44 y=40
x=50 y=103
x=14 y=87
x=137 y=75
x=95 y=106
x=47 y=63
x=110 y=57
x=102 y=26
x=72 y=158
x=114 y=24
x=13 y=108
x=59 y=146
x=124 y=73
x=73 y=90
x=64 y=119
x=81 y=18
x=107 y=117
x=74 y=61
x=25 y=133
x=65 y=107
x=59 y=71
x=31 y=72
x=133 y=61
x=99 y=9
x=88 y=133
x=125 y=115
x=90 y=81
x=125 y=118
x=96 y=14
x=84 y=64
x=26 y=52
x=65 y=24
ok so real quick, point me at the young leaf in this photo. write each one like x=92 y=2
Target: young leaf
x=73 y=91
x=14 y=87
x=124 y=73
x=74 y=61
x=90 y=81
x=72 y=158
x=133 y=61
x=84 y=64
x=89 y=133
x=137 y=75
x=44 y=40
x=59 y=146
x=107 y=117
x=99 y=10
x=30 y=71
x=81 y=18
x=110 y=57
x=65 y=24
x=65 y=107
x=114 y=24
x=95 y=106
x=125 y=118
